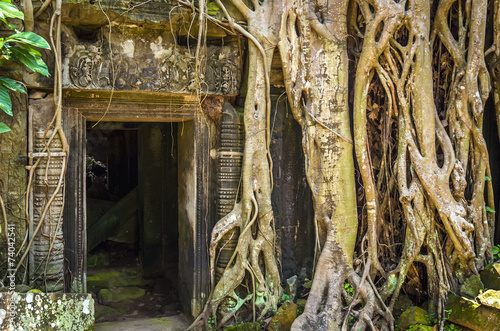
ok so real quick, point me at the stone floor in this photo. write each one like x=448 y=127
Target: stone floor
x=124 y=300
x=176 y=322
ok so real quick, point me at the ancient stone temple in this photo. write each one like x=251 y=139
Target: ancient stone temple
x=155 y=141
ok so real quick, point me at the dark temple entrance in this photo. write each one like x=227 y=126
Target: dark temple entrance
x=132 y=218
x=149 y=158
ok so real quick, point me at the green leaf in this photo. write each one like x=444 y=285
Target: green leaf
x=4 y=128
x=489 y=209
x=33 y=62
x=9 y=10
x=496 y=250
x=12 y=85
x=486 y=178
x=5 y=102
x=30 y=38
x=12 y=26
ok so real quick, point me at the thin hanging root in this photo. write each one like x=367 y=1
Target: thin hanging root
x=4 y=215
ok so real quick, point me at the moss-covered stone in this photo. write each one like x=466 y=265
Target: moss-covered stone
x=97 y=260
x=106 y=296
x=112 y=278
x=472 y=315
x=123 y=306
x=102 y=310
x=244 y=327
x=284 y=318
x=490 y=298
x=420 y=327
x=490 y=276
x=402 y=304
x=471 y=287
x=47 y=311
x=413 y=316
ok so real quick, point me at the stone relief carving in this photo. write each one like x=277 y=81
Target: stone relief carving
x=174 y=73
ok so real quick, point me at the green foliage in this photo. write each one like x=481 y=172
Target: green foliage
x=8 y=10
x=452 y=327
x=285 y=297
x=212 y=323
x=18 y=47
x=496 y=252
x=348 y=288
x=4 y=128
x=488 y=209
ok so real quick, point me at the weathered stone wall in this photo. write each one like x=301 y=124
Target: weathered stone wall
x=291 y=197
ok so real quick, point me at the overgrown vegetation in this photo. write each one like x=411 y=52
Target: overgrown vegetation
x=414 y=76
x=420 y=82
x=19 y=46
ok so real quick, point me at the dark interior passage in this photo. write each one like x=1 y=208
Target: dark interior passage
x=132 y=219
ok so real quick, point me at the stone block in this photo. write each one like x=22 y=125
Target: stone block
x=413 y=316
x=401 y=305
x=490 y=298
x=420 y=327
x=102 y=310
x=106 y=296
x=490 y=276
x=284 y=318
x=471 y=287
x=244 y=327
x=472 y=315
x=110 y=278
x=46 y=311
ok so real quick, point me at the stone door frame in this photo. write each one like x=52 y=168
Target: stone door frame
x=196 y=213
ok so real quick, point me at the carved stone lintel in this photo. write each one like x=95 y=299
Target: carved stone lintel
x=175 y=73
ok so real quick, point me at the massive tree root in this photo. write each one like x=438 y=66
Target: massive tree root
x=251 y=277
x=438 y=178
x=313 y=49
x=442 y=162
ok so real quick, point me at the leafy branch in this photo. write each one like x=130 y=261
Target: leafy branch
x=19 y=46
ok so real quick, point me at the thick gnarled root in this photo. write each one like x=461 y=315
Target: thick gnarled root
x=340 y=299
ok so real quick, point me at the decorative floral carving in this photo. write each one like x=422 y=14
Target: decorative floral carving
x=175 y=73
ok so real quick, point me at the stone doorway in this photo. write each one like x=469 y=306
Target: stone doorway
x=132 y=218
x=161 y=125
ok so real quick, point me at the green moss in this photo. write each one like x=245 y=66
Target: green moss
x=471 y=314
x=244 y=327
x=413 y=316
x=120 y=294
x=420 y=327
x=107 y=279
